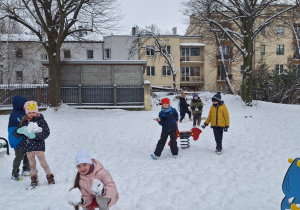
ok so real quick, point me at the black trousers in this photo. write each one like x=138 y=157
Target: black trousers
x=162 y=142
x=19 y=157
x=218 y=132
x=183 y=112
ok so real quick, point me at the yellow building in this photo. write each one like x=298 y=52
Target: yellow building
x=188 y=59
x=272 y=48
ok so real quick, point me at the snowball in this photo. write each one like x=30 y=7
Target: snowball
x=33 y=126
x=74 y=195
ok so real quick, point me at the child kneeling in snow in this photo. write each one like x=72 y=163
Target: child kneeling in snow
x=96 y=186
x=34 y=130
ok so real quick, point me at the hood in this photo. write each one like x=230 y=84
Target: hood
x=18 y=102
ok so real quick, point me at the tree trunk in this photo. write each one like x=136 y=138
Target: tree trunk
x=247 y=75
x=54 y=88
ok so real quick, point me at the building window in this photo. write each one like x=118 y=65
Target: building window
x=279 y=69
x=222 y=72
x=90 y=54
x=225 y=50
x=150 y=71
x=185 y=54
x=67 y=54
x=262 y=49
x=44 y=57
x=107 y=54
x=296 y=52
x=280 y=30
x=168 y=50
x=19 y=53
x=150 y=50
x=280 y=50
x=263 y=32
x=19 y=75
x=185 y=74
x=195 y=51
x=166 y=71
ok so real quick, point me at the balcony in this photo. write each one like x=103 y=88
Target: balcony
x=226 y=56
x=191 y=79
x=221 y=78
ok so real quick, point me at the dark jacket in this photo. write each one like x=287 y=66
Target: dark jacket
x=15 y=117
x=38 y=143
x=183 y=105
x=197 y=104
x=168 y=119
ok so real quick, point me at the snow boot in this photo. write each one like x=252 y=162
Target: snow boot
x=154 y=157
x=26 y=171
x=15 y=175
x=50 y=179
x=34 y=181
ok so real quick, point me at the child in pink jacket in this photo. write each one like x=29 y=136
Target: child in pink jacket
x=95 y=184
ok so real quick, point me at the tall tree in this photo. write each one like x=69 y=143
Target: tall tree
x=245 y=18
x=52 y=21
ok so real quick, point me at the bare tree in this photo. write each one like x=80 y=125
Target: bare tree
x=243 y=17
x=52 y=21
x=160 y=48
x=292 y=21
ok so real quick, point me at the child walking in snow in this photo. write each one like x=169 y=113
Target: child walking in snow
x=97 y=188
x=34 y=130
x=14 y=120
x=183 y=107
x=196 y=106
x=168 y=118
x=218 y=118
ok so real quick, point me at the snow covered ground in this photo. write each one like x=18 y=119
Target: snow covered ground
x=247 y=176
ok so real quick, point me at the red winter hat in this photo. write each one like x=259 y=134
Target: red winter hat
x=165 y=101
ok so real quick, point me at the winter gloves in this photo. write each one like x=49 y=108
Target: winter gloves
x=29 y=133
x=97 y=187
x=226 y=129
x=30 y=130
x=204 y=125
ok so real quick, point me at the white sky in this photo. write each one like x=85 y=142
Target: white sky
x=164 y=13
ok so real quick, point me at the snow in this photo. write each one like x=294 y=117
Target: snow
x=248 y=175
x=73 y=196
x=33 y=126
x=193 y=44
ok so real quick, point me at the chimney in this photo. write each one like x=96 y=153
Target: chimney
x=174 y=30
x=135 y=30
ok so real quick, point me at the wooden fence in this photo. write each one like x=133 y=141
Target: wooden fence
x=81 y=95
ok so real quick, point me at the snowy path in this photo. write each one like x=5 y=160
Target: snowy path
x=247 y=176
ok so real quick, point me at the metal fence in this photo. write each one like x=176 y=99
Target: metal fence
x=81 y=95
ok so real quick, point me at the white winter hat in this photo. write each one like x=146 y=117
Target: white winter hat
x=82 y=157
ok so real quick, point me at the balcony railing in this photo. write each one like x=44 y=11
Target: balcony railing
x=192 y=79
x=226 y=56
x=222 y=77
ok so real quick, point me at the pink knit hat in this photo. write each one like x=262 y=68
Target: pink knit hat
x=31 y=106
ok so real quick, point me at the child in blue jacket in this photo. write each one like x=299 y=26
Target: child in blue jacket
x=14 y=120
x=168 y=119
